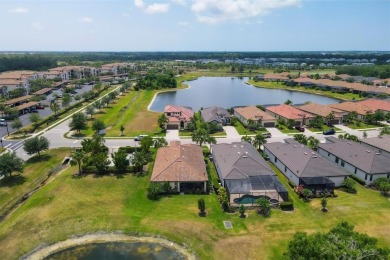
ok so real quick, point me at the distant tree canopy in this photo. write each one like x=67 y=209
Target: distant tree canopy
x=155 y=80
x=381 y=71
x=26 y=62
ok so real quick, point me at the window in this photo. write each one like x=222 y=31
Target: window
x=365 y=177
x=371 y=177
x=328 y=153
x=285 y=168
x=355 y=170
x=276 y=159
x=342 y=163
x=337 y=160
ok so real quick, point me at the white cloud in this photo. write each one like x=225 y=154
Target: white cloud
x=152 y=8
x=18 y=10
x=85 y=20
x=216 y=11
x=180 y=2
x=37 y=26
x=184 y=24
x=125 y=14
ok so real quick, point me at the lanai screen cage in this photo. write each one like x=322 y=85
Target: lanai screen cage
x=247 y=191
x=318 y=184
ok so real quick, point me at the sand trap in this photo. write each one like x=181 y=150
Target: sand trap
x=45 y=251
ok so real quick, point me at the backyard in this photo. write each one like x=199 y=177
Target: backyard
x=68 y=206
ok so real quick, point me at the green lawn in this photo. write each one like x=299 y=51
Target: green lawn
x=35 y=171
x=68 y=206
x=186 y=133
x=324 y=128
x=244 y=131
x=286 y=130
x=280 y=85
x=362 y=126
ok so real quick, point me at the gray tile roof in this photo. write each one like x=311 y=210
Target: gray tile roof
x=382 y=142
x=239 y=160
x=303 y=161
x=211 y=114
x=358 y=155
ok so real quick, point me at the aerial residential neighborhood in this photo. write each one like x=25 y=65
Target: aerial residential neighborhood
x=232 y=129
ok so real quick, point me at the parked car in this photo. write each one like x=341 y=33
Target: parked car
x=40 y=107
x=3 y=122
x=267 y=135
x=139 y=138
x=329 y=132
x=300 y=128
x=33 y=111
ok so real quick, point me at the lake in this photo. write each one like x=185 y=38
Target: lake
x=118 y=251
x=228 y=92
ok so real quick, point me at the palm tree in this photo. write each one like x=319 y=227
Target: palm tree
x=264 y=206
x=201 y=136
x=313 y=142
x=288 y=102
x=329 y=118
x=246 y=139
x=160 y=142
x=122 y=128
x=55 y=107
x=77 y=158
x=162 y=121
x=259 y=140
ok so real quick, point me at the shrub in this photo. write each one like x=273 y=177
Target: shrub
x=153 y=191
x=287 y=205
x=223 y=199
x=264 y=207
x=360 y=181
x=306 y=194
x=128 y=149
x=201 y=206
x=348 y=185
x=324 y=202
x=242 y=211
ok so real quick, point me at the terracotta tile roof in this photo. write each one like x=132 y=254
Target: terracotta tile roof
x=322 y=110
x=186 y=113
x=289 y=112
x=340 y=83
x=10 y=82
x=42 y=91
x=179 y=163
x=376 y=104
x=349 y=106
x=16 y=74
x=254 y=113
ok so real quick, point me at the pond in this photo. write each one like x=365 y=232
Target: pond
x=118 y=251
x=228 y=92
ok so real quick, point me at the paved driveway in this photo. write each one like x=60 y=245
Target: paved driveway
x=276 y=133
x=231 y=132
x=172 y=135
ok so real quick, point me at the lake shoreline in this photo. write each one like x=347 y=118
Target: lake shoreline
x=47 y=250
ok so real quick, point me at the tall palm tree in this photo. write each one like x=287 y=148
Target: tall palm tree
x=77 y=158
x=160 y=142
x=330 y=117
x=259 y=140
x=246 y=139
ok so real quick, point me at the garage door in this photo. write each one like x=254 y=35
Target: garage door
x=334 y=122
x=172 y=127
x=269 y=124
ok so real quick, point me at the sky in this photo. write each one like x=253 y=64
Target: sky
x=194 y=25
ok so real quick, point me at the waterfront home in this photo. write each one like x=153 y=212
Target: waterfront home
x=244 y=114
x=302 y=166
x=178 y=117
x=216 y=115
x=324 y=111
x=183 y=166
x=289 y=112
x=361 y=161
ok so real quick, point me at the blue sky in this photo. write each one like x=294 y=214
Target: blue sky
x=194 y=25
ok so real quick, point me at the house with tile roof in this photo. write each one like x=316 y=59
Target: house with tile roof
x=350 y=106
x=376 y=104
x=13 y=80
x=289 y=112
x=244 y=114
x=380 y=144
x=183 y=166
x=303 y=166
x=178 y=117
x=216 y=115
x=359 y=160
x=324 y=111
x=242 y=171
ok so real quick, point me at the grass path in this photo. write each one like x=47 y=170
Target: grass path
x=70 y=206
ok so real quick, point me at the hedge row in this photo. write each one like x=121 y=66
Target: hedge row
x=110 y=169
x=287 y=205
x=360 y=181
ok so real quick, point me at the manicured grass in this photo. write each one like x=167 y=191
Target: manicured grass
x=362 y=126
x=68 y=206
x=286 y=130
x=324 y=128
x=280 y=85
x=35 y=171
x=188 y=133
x=244 y=131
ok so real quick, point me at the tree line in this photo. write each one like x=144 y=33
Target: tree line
x=380 y=71
x=26 y=62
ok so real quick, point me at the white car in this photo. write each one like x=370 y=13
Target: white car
x=3 y=122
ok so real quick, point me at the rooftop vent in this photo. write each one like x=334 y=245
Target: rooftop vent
x=314 y=156
x=378 y=153
x=305 y=153
x=246 y=152
x=349 y=143
x=368 y=151
x=238 y=152
x=234 y=146
x=244 y=156
x=295 y=146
